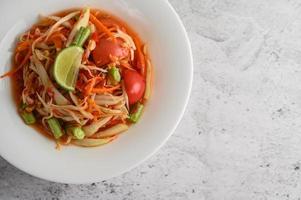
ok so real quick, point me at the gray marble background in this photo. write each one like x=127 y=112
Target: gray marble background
x=240 y=138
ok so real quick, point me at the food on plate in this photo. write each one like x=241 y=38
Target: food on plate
x=81 y=77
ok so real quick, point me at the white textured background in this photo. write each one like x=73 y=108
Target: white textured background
x=240 y=138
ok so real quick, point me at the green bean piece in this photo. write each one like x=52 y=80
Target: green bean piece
x=77 y=132
x=55 y=127
x=81 y=36
x=135 y=116
x=114 y=74
x=28 y=118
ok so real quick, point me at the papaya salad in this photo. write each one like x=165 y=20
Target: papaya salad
x=80 y=77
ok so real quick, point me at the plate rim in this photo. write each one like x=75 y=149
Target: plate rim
x=162 y=142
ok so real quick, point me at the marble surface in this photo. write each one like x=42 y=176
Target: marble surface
x=240 y=138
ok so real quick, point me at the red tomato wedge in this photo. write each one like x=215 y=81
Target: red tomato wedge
x=106 y=48
x=134 y=85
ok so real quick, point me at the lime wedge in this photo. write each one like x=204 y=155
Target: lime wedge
x=66 y=67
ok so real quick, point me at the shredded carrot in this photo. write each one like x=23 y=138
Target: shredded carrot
x=103 y=89
x=91 y=84
x=79 y=85
x=109 y=22
x=90 y=105
x=26 y=36
x=94 y=109
x=13 y=71
x=57 y=43
x=57 y=39
x=58 y=35
x=112 y=29
x=101 y=27
x=126 y=65
x=17 y=56
x=98 y=112
x=95 y=13
x=23 y=46
x=55 y=111
x=65 y=32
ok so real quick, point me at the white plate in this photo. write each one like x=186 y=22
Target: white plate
x=160 y=27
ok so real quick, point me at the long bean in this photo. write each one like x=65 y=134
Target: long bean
x=55 y=127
